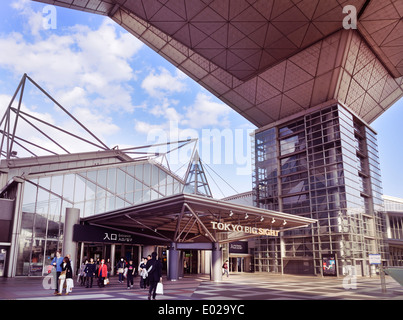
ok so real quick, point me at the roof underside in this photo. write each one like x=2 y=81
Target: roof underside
x=260 y=56
x=186 y=217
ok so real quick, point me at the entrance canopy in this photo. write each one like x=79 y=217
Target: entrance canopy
x=189 y=218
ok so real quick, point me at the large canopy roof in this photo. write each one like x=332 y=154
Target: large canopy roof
x=188 y=218
x=274 y=58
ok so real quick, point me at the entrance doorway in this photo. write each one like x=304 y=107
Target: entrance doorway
x=237 y=264
x=99 y=251
x=190 y=262
x=240 y=263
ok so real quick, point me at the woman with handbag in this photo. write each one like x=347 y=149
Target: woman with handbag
x=102 y=273
x=66 y=276
x=121 y=269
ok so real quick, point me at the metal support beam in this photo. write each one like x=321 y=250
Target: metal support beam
x=201 y=223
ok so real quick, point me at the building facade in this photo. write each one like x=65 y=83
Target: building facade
x=311 y=86
x=394 y=223
x=94 y=183
x=323 y=165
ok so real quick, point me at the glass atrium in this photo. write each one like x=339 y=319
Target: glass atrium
x=322 y=165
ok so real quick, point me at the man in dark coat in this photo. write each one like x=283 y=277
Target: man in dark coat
x=90 y=270
x=154 y=269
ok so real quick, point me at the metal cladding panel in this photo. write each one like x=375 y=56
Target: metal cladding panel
x=271 y=59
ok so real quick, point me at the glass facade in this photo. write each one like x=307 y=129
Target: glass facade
x=323 y=165
x=93 y=190
x=394 y=211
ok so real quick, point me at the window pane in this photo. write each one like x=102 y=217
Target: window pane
x=112 y=180
x=68 y=186
x=28 y=203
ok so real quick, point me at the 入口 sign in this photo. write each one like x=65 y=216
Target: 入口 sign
x=244 y=229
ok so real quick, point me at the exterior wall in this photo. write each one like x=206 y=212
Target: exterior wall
x=324 y=166
x=394 y=212
x=93 y=190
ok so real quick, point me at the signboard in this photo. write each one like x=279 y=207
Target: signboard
x=375 y=259
x=238 y=247
x=243 y=229
x=329 y=267
x=84 y=233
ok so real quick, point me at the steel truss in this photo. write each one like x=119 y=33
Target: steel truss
x=10 y=139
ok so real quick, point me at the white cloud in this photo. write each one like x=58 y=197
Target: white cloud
x=97 y=61
x=34 y=19
x=166 y=110
x=75 y=96
x=163 y=83
x=146 y=128
x=98 y=124
x=88 y=71
x=205 y=113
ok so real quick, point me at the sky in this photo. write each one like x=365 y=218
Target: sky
x=128 y=95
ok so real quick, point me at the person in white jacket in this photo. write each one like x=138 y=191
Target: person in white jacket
x=143 y=273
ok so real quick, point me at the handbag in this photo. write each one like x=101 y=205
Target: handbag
x=160 y=288
x=62 y=275
x=120 y=270
x=70 y=284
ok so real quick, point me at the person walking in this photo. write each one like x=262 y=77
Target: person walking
x=102 y=273
x=154 y=270
x=225 y=268
x=121 y=269
x=66 y=276
x=148 y=279
x=109 y=267
x=90 y=270
x=82 y=274
x=57 y=264
x=130 y=274
x=143 y=273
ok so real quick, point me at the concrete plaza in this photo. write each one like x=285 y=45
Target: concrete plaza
x=242 y=286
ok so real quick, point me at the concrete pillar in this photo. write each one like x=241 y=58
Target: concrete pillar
x=70 y=246
x=139 y=257
x=113 y=262
x=216 y=263
x=12 y=255
x=173 y=262
x=81 y=254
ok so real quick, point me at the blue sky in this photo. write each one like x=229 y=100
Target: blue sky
x=128 y=95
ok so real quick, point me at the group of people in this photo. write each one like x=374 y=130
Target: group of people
x=89 y=270
x=149 y=270
x=63 y=273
